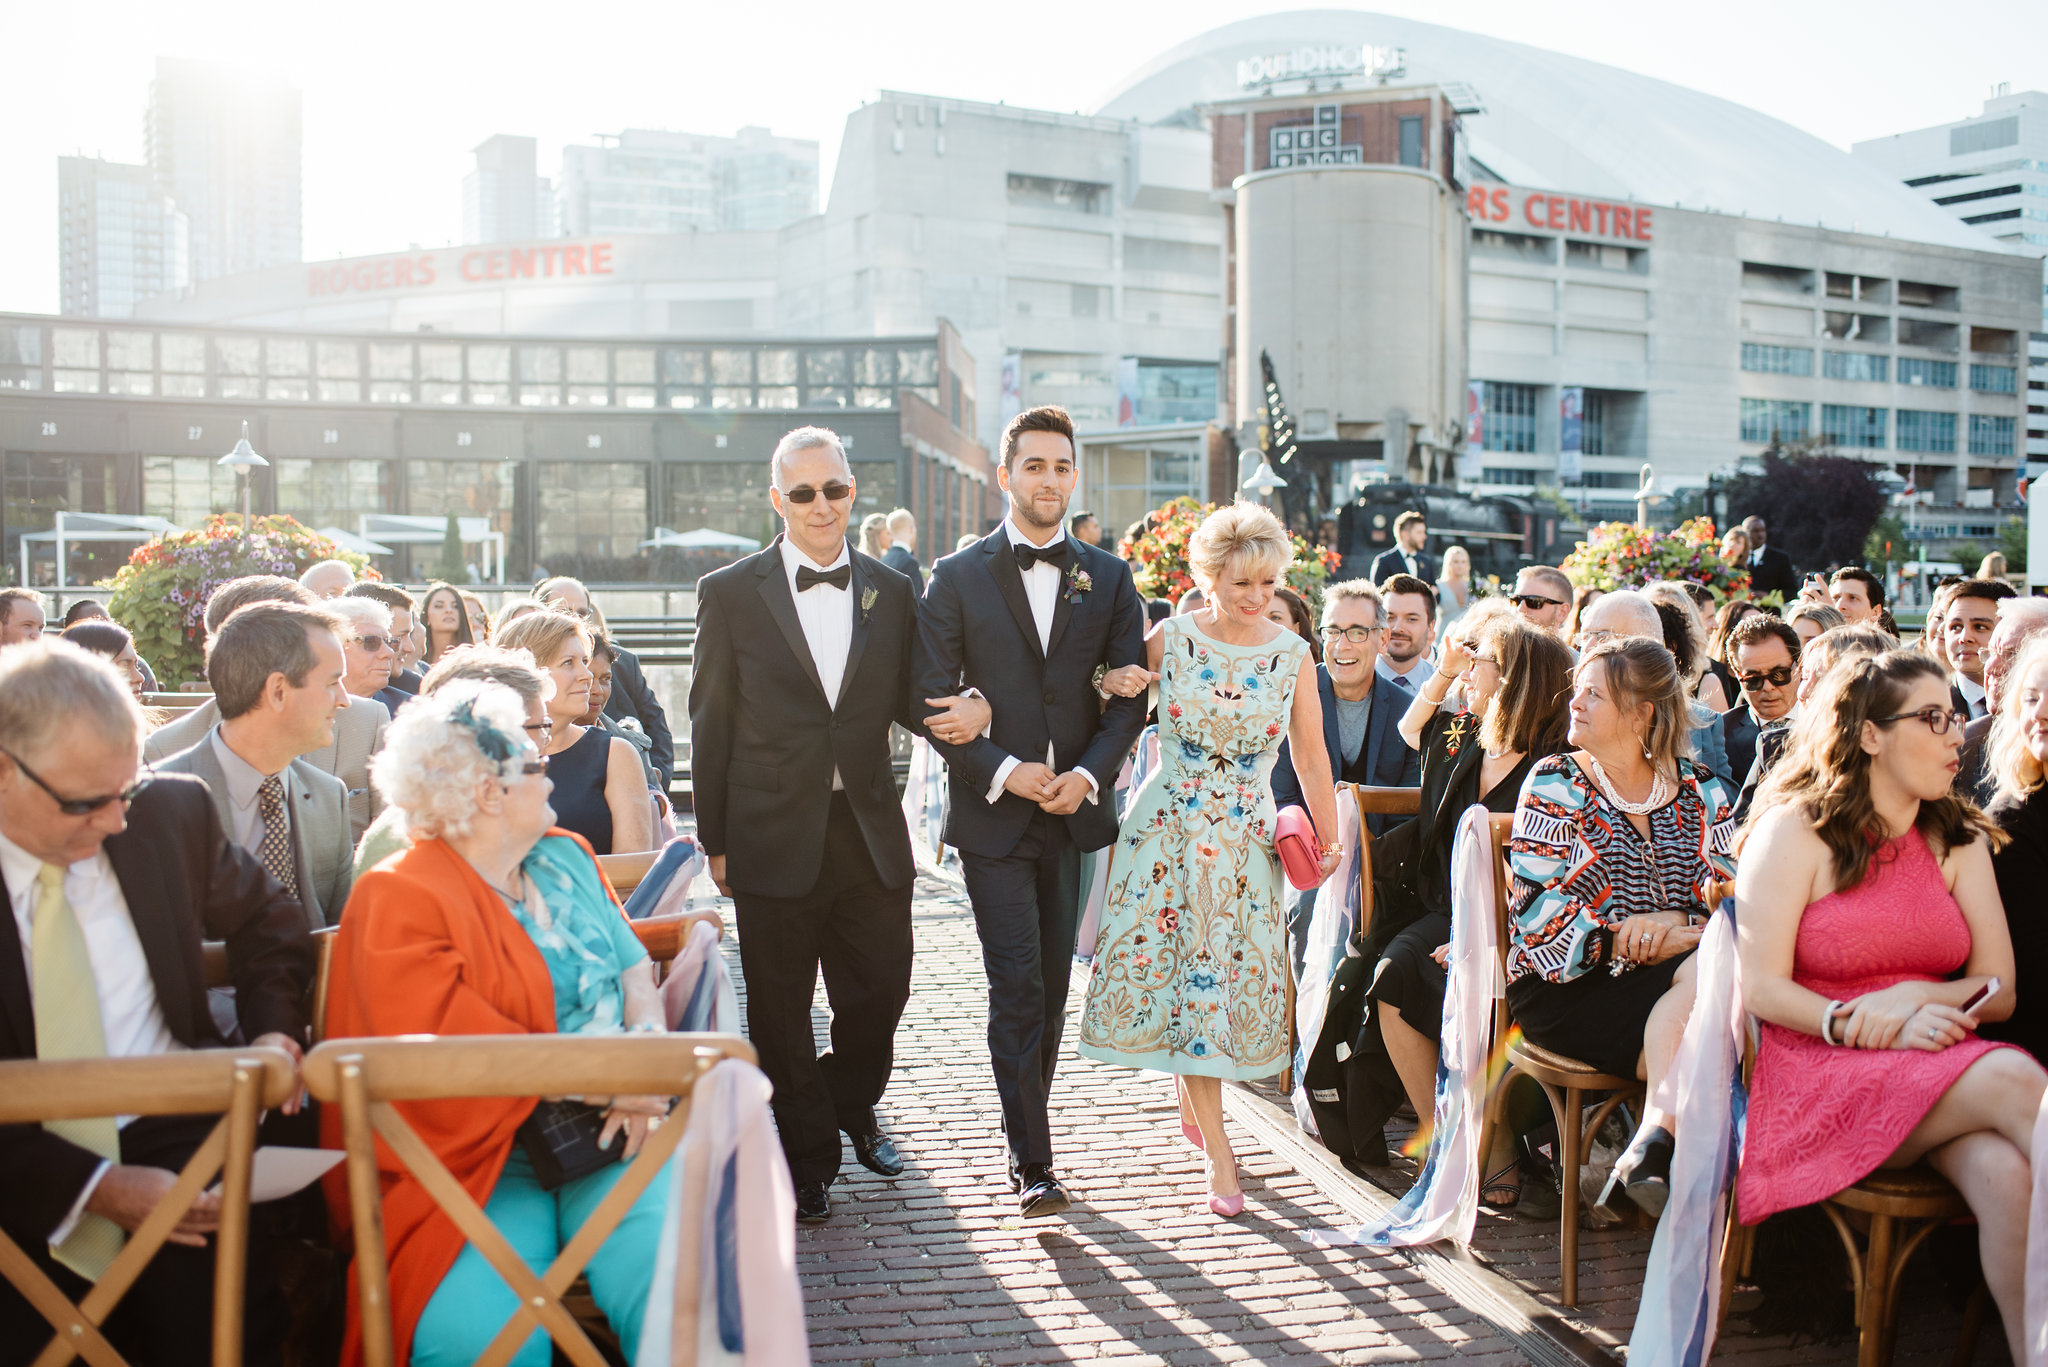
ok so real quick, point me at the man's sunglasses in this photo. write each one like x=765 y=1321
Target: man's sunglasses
x=1535 y=602
x=1776 y=677
x=81 y=806
x=835 y=492
x=377 y=645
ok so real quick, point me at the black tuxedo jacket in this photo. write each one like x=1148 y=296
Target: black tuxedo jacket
x=1774 y=571
x=764 y=738
x=184 y=882
x=1389 y=563
x=631 y=697
x=976 y=630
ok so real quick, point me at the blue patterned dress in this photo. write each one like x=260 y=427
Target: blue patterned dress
x=1191 y=968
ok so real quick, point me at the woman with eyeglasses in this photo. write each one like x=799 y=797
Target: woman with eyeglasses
x=479 y=618
x=494 y=921
x=446 y=620
x=600 y=788
x=1869 y=921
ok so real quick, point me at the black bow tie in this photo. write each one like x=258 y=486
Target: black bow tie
x=1027 y=556
x=806 y=577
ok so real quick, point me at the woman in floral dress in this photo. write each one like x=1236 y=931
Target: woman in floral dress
x=1190 y=972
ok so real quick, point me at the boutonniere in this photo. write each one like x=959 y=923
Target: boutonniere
x=1454 y=740
x=867 y=603
x=1078 y=583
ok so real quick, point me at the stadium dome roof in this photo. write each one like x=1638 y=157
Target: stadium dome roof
x=1556 y=122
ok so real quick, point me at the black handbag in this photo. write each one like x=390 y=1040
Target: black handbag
x=560 y=1139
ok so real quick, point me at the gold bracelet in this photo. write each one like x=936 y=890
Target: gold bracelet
x=1333 y=849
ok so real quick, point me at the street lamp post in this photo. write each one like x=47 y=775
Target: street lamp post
x=244 y=461
x=1262 y=481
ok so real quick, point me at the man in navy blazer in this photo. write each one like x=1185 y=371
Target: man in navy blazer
x=1028 y=617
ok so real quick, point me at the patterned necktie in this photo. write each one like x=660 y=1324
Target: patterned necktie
x=67 y=1010
x=1401 y=682
x=276 y=848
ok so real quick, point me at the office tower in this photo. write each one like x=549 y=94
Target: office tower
x=223 y=142
x=504 y=199
x=120 y=239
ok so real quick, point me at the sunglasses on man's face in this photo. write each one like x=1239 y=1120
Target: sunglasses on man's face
x=1534 y=602
x=1776 y=677
x=377 y=645
x=835 y=492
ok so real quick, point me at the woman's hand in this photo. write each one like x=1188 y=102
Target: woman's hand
x=1640 y=939
x=1457 y=656
x=1442 y=954
x=1128 y=681
x=636 y=1115
x=1331 y=859
x=1875 y=1019
x=1934 y=1027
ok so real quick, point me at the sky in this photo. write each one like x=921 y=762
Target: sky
x=395 y=95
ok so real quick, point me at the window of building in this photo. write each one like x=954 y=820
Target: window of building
x=1934 y=336
x=1990 y=435
x=1509 y=418
x=1593 y=423
x=1994 y=379
x=333 y=493
x=1411 y=140
x=1176 y=393
x=441 y=361
x=1921 y=295
x=588 y=365
x=291 y=356
x=596 y=508
x=391 y=361
x=188 y=489
x=338 y=360
x=1862 y=428
x=1873 y=328
x=1495 y=474
x=1605 y=256
x=1776 y=279
x=1779 y=360
x=1535 y=251
x=1767 y=420
x=1070 y=196
x=1923 y=431
x=1854 y=365
x=1931 y=374
x=38 y=487
x=1127 y=480
x=490 y=364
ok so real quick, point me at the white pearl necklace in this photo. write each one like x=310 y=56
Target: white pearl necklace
x=1660 y=790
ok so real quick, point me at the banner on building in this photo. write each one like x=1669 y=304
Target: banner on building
x=1475 y=415
x=1013 y=385
x=1127 y=391
x=1571 y=432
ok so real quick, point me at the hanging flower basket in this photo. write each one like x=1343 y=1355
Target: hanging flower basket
x=1621 y=555
x=1159 y=555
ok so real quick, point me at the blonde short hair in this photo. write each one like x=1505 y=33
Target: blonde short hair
x=1240 y=534
x=541 y=634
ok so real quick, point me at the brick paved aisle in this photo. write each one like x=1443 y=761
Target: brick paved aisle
x=936 y=1267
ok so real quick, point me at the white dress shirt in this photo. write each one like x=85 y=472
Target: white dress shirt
x=131 y=1019
x=826 y=615
x=1416 y=675
x=245 y=787
x=1042 y=591
x=1973 y=694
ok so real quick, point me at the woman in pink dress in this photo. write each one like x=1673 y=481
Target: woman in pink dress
x=1869 y=918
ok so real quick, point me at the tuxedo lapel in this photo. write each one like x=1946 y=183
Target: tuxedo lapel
x=859 y=585
x=14 y=998
x=1002 y=565
x=142 y=887
x=1063 y=608
x=782 y=608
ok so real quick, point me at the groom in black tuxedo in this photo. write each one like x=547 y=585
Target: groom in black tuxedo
x=803 y=660
x=1026 y=617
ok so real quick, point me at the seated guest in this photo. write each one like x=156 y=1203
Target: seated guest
x=491 y=923
x=405 y=676
x=1766 y=655
x=631 y=697
x=512 y=612
x=328 y=579
x=85 y=609
x=1408 y=607
x=1515 y=677
x=514 y=669
x=372 y=646
x=1546 y=598
x=1290 y=610
x=102 y=637
x=1828 y=649
x=479 y=618
x=1809 y=620
x=2018 y=769
x=21 y=616
x=1615 y=616
x=1612 y=844
x=113 y=881
x=1971 y=612
x=1930 y=642
x=2019 y=619
x=1858 y=595
x=276 y=671
x=1869 y=917
x=1687 y=641
x=446 y=621
x=603 y=656
x=1725 y=620
x=600 y=792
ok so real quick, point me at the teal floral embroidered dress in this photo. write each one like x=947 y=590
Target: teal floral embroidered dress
x=1190 y=968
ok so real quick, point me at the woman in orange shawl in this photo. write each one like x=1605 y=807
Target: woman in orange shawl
x=491 y=924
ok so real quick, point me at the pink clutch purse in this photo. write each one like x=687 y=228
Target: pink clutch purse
x=1294 y=840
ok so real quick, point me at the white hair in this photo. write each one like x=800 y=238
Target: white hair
x=2030 y=612
x=803 y=439
x=318 y=566
x=432 y=762
x=360 y=612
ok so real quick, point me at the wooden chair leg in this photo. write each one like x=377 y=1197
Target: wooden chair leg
x=1873 y=1312
x=1736 y=1243
x=1973 y=1324
x=1569 y=1158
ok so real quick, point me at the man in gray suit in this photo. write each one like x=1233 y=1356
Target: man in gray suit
x=276 y=670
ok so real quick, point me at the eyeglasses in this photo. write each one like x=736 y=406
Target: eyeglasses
x=1358 y=636
x=1486 y=660
x=534 y=767
x=1776 y=677
x=1938 y=719
x=1586 y=640
x=81 y=806
x=835 y=492
x=377 y=645
x=540 y=727
x=1535 y=602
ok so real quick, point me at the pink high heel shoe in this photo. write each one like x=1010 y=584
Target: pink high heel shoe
x=1228 y=1206
x=1192 y=1135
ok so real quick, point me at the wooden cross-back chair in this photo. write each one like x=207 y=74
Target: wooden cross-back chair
x=214 y=956
x=364 y=1077
x=626 y=871
x=239 y=1084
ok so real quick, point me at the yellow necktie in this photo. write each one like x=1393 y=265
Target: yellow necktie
x=67 y=1005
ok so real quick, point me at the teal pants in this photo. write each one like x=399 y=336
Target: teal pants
x=473 y=1302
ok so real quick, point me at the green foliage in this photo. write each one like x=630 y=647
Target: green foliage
x=1620 y=555
x=1889 y=528
x=160 y=594
x=2012 y=539
x=1159 y=554
x=450 y=568
x=1820 y=507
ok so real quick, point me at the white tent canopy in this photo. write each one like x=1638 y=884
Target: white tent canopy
x=401 y=529
x=73 y=528
x=701 y=539
x=349 y=541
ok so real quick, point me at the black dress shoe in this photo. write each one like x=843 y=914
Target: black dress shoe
x=877 y=1154
x=813 y=1203
x=1039 y=1192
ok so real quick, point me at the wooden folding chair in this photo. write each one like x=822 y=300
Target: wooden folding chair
x=626 y=871
x=365 y=1076
x=240 y=1083
x=1555 y=1074
x=214 y=955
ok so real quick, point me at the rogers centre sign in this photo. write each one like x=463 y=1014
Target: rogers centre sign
x=472 y=265
x=1557 y=213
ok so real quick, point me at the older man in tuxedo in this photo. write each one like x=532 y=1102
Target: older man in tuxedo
x=113 y=880
x=1027 y=616
x=803 y=661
